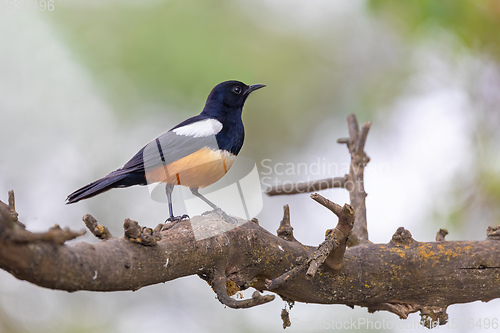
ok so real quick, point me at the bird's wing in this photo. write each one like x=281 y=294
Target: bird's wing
x=175 y=144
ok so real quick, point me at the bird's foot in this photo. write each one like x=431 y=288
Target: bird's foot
x=176 y=219
x=223 y=215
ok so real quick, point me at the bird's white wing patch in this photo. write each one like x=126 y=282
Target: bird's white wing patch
x=200 y=128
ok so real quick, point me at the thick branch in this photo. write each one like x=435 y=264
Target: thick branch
x=384 y=276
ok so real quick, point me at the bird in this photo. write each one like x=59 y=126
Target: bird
x=195 y=153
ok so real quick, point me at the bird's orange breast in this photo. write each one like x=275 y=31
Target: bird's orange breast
x=199 y=169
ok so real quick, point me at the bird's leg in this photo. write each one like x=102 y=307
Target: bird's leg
x=168 y=190
x=216 y=209
x=195 y=192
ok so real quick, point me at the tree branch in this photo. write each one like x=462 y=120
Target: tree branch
x=307 y=187
x=285 y=230
x=441 y=234
x=352 y=182
x=97 y=230
x=330 y=252
x=219 y=285
x=387 y=277
x=356 y=188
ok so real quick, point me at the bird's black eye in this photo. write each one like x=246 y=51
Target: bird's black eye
x=237 y=90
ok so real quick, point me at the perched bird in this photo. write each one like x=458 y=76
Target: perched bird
x=195 y=153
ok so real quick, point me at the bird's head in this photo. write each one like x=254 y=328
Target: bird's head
x=229 y=95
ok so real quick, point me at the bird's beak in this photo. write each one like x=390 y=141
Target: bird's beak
x=254 y=87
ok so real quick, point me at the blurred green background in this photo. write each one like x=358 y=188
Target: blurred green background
x=87 y=84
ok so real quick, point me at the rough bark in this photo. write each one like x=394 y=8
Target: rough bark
x=402 y=277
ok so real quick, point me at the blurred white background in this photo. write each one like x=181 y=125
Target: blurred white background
x=78 y=99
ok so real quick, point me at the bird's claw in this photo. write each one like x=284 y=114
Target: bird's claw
x=223 y=215
x=175 y=219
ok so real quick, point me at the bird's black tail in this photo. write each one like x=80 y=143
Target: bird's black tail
x=104 y=184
